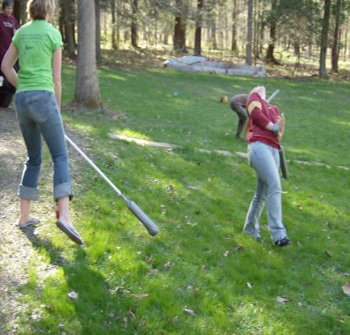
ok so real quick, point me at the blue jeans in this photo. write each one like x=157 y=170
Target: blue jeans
x=38 y=114
x=265 y=161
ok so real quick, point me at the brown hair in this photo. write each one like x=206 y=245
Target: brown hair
x=40 y=9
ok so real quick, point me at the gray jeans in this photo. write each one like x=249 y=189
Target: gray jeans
x=38 y=114
x=265 y=161
x=242 y=118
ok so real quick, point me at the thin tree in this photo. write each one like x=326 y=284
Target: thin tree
x=179 y=28
x=98 y=29
x=234 y=44
x=248 y=57
x=114 y=43
x=134 y=37
x=17 y=4
x=67 y=20
x=335 y=45
x=324 y=39
x=87 y=91
x=198 y=33
x=273 y=24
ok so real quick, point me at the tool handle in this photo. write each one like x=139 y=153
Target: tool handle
x=272 y=96
x=143 y=218
x=136 y=210
x=283 y=163
x=94 y=166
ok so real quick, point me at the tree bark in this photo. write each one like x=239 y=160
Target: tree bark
x=324 y=39
x=134 y=6
x=17 y=5
x=67 y=19
x=271 y=47
x=198 y=34
x=179 y=29
x=98 y=29
x=87 y=89
x=234 y=45
x=248 y=57
x=335 y=46
x=114 y=44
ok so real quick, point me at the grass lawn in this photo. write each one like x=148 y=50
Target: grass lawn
x=200 y=275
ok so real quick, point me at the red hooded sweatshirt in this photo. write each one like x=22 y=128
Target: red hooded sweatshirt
x=260 y=114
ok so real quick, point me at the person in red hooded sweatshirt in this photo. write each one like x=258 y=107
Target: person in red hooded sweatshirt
x=8 y=27
x=264 y=132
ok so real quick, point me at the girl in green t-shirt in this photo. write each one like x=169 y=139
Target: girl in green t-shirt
x=37 y=46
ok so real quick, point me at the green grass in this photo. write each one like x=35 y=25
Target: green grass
x=130 y=283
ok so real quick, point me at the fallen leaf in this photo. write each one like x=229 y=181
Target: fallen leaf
x=346 y=289
x=163 y=209
x=149 y=259
x=167 y=265
x=189 y=311
x=131 y=315
x=282 y=300
x=240 y=248
x=141 y=295
x=73 y=295
x=328 y=253
x=152 y=272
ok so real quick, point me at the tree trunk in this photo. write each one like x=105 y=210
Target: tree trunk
x=335 y=46
x=98 y=29
x=134 y=6
x=213 y=43
x=248 y=53
x=67 y=20
x=114 y=44
x=324 y=39
x=17 y=10
x=180 y=29
x=256 y=23
x=271 y=47
x=234 y=45
x=87 y=89
x=346 y=39
x=198 y=34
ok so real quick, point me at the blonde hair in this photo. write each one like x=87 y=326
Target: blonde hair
x=40 y=9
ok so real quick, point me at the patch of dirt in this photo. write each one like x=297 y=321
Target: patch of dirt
x=17 y=247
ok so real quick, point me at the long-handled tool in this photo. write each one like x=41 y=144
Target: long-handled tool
x=136 y=210
x=283 y=161
x=272 y=96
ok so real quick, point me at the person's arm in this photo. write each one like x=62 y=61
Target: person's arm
x=281 y=120
x=7 y=64
x=56 y=74
x=263 y=122
x=254 y=110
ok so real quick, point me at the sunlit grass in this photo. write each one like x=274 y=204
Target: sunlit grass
x=130 y=283
x=131 y=133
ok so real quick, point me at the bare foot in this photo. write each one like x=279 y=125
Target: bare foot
x=28 y=221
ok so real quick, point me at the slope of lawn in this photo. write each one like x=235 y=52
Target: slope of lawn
x=200 y=275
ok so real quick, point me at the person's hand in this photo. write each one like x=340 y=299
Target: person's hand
x=281 y=120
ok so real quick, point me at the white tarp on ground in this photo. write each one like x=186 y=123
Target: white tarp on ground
x=200 y=64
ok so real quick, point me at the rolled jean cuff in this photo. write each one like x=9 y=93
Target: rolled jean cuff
x=29 y=193
x=63 y=190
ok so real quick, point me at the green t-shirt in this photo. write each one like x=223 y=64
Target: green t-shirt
x=36 y=42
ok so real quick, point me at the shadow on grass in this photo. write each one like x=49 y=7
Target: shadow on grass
x=94 y=309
